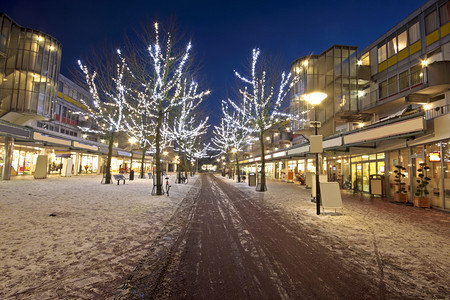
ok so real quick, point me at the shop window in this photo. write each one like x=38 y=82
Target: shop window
x=444 y=12
x=381 y=53
x=60 y=86
x=402 y=41
x=414 y=33
x=404 y=80
x=382 y=89
x=431 y=23
x=392 y=47
x=416 y=75
x=393 y=85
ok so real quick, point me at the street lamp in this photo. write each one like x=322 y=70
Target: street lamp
x=316 y=142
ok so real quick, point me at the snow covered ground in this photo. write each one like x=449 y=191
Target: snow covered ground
x=97 y=236
x=406 y=248
x=99 y=233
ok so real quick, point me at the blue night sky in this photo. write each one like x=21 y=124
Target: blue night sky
x=223 y=32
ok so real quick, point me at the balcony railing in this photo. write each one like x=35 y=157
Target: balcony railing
x=436 y=112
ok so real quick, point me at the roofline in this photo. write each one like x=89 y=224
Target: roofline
x=29 y=28
x=323 y=52
x=403 y=22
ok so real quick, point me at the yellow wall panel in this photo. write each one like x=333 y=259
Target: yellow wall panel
x=403 y=54
x=445 y=30
x=414 y=47
x=432 y=37
x=60 y=95
x=382 y=66
x=392 y=61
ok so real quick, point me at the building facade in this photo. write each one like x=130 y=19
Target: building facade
x=39 y=111
x=387 y=106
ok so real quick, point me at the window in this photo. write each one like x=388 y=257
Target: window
x=414 y=33
x=365 y=59
x=404 y=80
x=402 y=41
x=416 y=75
x=381 y=53
x=393 y=85
x=382 y=89
x=392 y=47
x=431 y=22
x=60 y=86
x=444 y=12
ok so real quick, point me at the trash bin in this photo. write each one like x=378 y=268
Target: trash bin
x=251 y=179
x=131 y=174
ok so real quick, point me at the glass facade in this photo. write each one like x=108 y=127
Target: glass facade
x=332 y=72
x=29 y=69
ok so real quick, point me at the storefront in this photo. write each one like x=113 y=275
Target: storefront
x=363 y=166
x=24 y=160
x=434 y=161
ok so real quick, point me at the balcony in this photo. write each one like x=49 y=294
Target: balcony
x=436 y=112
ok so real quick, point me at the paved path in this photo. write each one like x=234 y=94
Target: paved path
x=222 y=245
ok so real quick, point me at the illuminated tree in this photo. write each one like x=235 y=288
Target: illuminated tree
x=108 y=108
x=161 y=77
x=265 y=92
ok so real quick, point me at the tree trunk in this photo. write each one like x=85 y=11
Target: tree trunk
x=262 y=187
x=108 y=161
x=158 y=154
x=144 y=149
x=237 y=168
x=185 y=166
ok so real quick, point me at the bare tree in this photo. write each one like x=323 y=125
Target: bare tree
x=265 y=92
x=108 y=88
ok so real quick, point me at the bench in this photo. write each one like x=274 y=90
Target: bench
x=119 y=177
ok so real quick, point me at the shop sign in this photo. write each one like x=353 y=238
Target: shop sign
x=435 y=156
x=279 y=154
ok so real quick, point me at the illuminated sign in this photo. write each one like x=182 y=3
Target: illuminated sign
x=435 y=156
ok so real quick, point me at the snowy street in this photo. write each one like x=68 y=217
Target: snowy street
x=234 y=243
x=212 y=238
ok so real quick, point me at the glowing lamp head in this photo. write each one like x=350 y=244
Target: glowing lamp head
x=165 y=153
x=132 y=140
x=315 y=98
x=234 y=150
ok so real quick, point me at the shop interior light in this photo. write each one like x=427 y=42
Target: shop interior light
x=427 y=106
x=359 y=62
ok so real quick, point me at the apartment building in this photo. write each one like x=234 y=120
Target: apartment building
x=386 y=106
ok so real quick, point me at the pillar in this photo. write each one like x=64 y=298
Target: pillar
x=77 y=163
x=7 y=162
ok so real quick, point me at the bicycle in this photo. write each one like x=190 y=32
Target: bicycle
x=167 y=186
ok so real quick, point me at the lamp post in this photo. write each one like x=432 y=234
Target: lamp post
x=316 y=143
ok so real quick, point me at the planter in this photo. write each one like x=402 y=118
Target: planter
x=400 y=197
x=422 y=202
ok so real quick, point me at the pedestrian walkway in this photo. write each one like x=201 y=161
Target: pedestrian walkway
x=398 y=242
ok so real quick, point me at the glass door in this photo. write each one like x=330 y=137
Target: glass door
x=365 y=177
